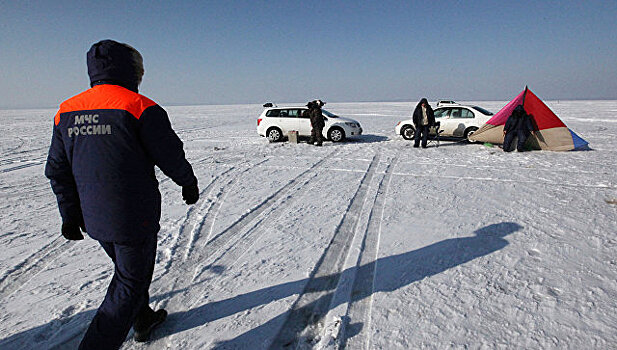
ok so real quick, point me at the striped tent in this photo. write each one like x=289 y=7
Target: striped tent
x=551 y=133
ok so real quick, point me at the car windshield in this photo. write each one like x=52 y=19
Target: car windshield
x=328 y=114
x=484 y=111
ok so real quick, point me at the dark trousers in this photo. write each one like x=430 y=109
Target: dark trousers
x=127 y=294
x=509 y=139
x=421 y=131
x=316 y=135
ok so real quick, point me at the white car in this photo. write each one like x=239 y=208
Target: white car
x=275 y=122
x=456 y=120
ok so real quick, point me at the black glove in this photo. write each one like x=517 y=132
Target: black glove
x=190 y=193
x=71 y=231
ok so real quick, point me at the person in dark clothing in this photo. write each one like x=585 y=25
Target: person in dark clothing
x=519 y=125
x=423 y=119
x=106 y=142
x=317 y=122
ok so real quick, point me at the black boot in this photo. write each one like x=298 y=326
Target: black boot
x=146 y=321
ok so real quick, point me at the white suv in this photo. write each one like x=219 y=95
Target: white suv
x=456 y=120
x=275 y=122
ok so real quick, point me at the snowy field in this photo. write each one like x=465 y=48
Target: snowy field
x=370 y=244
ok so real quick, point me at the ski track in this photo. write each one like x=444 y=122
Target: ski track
x=361 y=298
x=30 y=267
x=214 y=250
x=306 y=316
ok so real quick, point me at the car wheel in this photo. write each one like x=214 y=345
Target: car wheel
x=469 y=132
x=408 y=132
x=336 y=135
x=274 y=134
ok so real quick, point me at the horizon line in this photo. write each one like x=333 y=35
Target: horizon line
x=174 y=104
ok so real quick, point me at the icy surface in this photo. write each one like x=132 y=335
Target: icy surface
x=367 y=244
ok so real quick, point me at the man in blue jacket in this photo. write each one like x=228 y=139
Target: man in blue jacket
x=106 y=142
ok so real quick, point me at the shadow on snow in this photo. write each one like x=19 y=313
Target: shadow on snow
x=392 y=272
x=366 y=138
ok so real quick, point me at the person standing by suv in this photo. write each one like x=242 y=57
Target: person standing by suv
x=106 y=142
x=317 y=122
x=423 y=119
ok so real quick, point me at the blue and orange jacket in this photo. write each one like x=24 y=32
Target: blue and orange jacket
x=106 y=142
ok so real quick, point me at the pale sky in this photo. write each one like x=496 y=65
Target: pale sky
x=223 y=52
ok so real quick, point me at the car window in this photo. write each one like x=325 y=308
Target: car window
x=289 y=113
x=465 y=113
x=273 y=113
x=441 y=113
x=455 y=113
x=328 y=114
x=304 y=113
x=482 y=110
x=294 y=113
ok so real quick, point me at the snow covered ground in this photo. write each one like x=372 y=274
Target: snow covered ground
x=367 y=244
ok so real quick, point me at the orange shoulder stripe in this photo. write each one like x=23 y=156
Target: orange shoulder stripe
x=106 y=97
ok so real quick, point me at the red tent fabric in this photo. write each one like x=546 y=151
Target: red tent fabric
x=551 y=133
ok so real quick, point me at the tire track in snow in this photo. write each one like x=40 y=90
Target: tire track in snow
x=305 y=319
x=215 y=245
x=17 y=163
x=30 y=267
x=539 y=168
x=202 y=217
x=226 y=177
x=238 y=246
x=180 y=238
x=517 y=181
x=214 y=250
x=232 y=252
x=205 y=222
x=361 y=299
x=12 y=154
x=36 y=189
x=221 y=239
x=22 y=166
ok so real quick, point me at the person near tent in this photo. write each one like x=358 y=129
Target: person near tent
x=550 y=133
x=317 y=122
x=423 y=119
x=106 y=142
x=519 y=125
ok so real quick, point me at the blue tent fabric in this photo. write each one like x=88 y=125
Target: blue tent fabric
x=578 y=141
